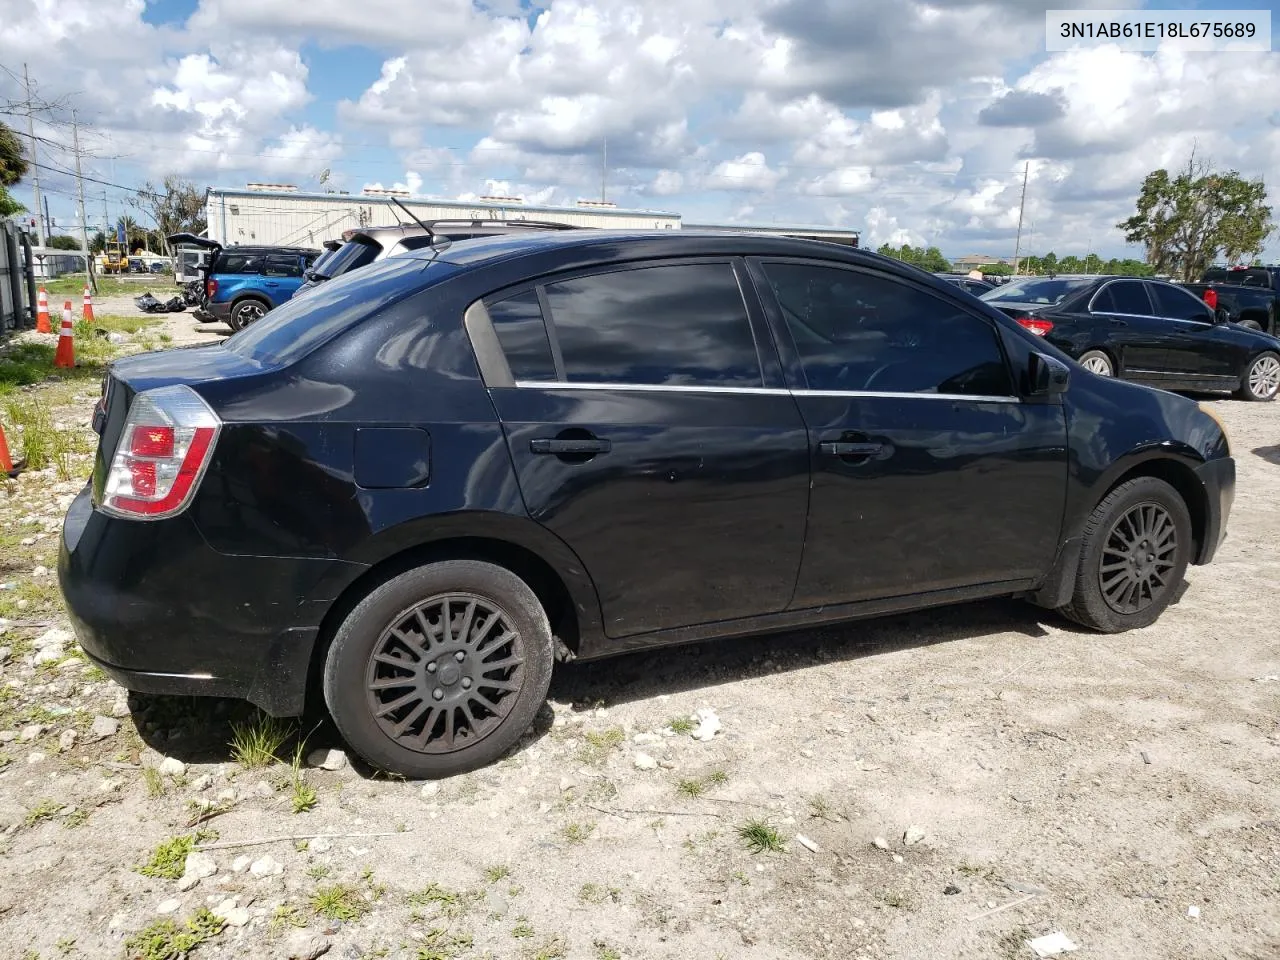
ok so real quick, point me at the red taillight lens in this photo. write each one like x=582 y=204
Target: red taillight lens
x=211 y=288
x=164 y=448
x=1036 y=325
x=151 y=442
x=1211 y=299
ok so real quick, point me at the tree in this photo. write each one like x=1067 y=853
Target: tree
x=1187 y=221
x=176 y=206
x=996 y=269
x=98 y=242
x=63 y=242
x=13 y=161
x=1071 y=264
x=930 y=259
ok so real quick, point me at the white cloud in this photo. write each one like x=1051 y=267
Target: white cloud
x=748 y=172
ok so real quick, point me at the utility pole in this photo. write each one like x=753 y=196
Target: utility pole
x=35 y=167
x=106 y=219
x=1017 y=244
x=604 y=167
x=84 y=226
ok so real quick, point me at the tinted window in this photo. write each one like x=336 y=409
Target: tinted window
x=1036 y=291
x=860 y=332
x=518 y=324
x=1123 y=296
x=1178 y=304
x=238 y=263
x=283 y=265
x=350 y=256
x=415 y=243
x=683 y=324
x=298 y=326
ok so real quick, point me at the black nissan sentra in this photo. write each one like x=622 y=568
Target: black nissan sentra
x=415 y=490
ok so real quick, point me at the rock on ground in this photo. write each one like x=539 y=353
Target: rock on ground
x=172 y=767
x=104 y=727
x=305 y=945
x=266 y=867
x=327 y=759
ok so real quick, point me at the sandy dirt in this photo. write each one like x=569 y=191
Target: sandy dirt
x=1048 y=780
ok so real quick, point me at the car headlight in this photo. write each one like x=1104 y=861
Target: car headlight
x=1213 y=415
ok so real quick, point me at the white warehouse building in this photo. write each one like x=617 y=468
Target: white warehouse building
x=281 y=215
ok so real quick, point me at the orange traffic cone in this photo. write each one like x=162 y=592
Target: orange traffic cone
x=6 y=462
x=65 y=356
x=42 y=313
x=88 y=305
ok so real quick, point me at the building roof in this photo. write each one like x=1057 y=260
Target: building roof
x=364 y=198
x=810 y=229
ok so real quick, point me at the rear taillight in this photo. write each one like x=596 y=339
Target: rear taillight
x=1211 y=299
x=1036 y=325
x=211 y=288
x=165 y=445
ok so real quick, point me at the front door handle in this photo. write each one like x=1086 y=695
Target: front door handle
x=841 y=449
x=592 y=445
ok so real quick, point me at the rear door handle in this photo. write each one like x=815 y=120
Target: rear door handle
x=840 y=449
x=570 y=446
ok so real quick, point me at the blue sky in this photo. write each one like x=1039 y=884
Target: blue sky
x=910 y=123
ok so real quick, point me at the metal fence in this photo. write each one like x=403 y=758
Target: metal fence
x=17 y=280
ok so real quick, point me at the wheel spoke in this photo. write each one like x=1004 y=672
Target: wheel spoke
x=483 y=630
x=411 y=717
x=392 y=683
x=466 y=621
x=448 y=725
x=428 y=726
x=415 y=648
x=499 y=664
x=499 y=685
x=397 y=703
x=391 y=661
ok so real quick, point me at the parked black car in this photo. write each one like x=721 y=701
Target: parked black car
x=1250 y=296
x=1147 y=331
x=425 y=481
x=967 y=284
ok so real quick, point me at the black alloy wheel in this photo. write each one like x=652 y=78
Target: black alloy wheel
x=440 y=669
x=1137 y=559
x=247 y=312
x=443 y=675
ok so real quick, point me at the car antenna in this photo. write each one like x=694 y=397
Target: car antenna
x=412 y=216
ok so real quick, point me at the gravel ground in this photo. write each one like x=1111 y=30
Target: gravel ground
x=945 y=784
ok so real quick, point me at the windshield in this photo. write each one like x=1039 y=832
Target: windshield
x=355 y=253
x=294 y=329
x=1046 y=291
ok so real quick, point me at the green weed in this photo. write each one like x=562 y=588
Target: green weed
x=683 y=724
x=760 y=836
x=578 y=832
x=257 y=742
x=498 y=871
x=169 y=859
x=339 y=901
x=44 y=810
x=165 y=940
x=599 y=744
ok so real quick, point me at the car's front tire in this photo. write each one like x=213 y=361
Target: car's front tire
x=1136 y=547
x=1261 y=381
x=441 y=669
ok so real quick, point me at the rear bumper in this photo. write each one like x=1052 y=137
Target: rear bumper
x=216 y=312
x=160 y=611
x=1219 y=480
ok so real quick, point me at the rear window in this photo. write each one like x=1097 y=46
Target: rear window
x=231 y=262
x=352 y=255
x=1050 y=292
x=292 y=330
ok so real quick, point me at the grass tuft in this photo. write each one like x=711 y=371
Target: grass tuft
x=599 y=744
x=522 y=930
x=169 y=859
x=339 y=901
x=44 y=810
x=683 y=725
x=302 y=796
x=691 y=788
x=156 y=787
x=165 y=940
x=440 y=944
x=499 y=871
x=578 y=832
x=760 y=836
x=257 y=742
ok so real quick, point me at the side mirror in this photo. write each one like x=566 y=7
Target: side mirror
x=1046 y=376
x=1221 y=316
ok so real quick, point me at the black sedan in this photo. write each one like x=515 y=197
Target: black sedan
x=1147 y=331
x=412 y=491
x=967 y=283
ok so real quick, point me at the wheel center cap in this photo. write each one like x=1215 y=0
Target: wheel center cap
x=449 y=674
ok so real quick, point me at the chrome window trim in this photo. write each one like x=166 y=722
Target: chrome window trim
x=1097 y=293
x=766 y=391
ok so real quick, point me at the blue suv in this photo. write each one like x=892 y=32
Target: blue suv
x=242 y=283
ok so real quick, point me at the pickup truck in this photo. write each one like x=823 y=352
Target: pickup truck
x=1250 y=296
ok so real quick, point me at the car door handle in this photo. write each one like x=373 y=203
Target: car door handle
x=1119 y=323
x=592 y=445
x=841 y=449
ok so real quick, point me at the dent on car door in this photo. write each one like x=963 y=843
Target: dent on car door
x=929 y=473
x=1138 y=340
x=646 y=434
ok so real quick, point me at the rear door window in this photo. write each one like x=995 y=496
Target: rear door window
x=669 y=325
x=859 y=332
x=355 y=253
x=1123 y=296
x=520 y=328
x=283 y=265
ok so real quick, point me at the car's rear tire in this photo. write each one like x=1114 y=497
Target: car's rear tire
x=1261 y=380
x=1097 y=361
x=1136 y=547
x=246 y=312
x=450 y=700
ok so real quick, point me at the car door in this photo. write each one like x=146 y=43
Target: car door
x=1199 y=349
x=1139 y=340
x=281 y=276
x=651 y=431
x=929 y=472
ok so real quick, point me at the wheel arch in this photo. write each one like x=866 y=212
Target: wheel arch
x=256 y=295
x=545 y=563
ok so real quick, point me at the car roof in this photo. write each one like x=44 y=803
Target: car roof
x=641 y=244
x=261 y=248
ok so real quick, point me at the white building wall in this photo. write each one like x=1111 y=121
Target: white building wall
x=307 y=220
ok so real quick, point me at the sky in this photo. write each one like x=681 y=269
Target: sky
x=912 y=122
